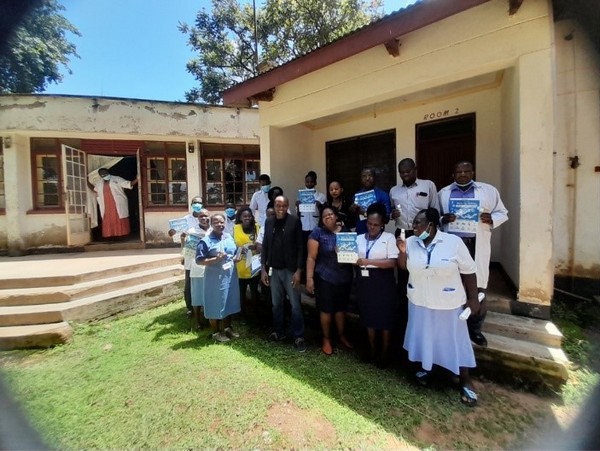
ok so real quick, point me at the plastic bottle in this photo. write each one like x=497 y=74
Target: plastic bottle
x=467 y=312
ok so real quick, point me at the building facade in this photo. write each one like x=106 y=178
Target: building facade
x=50 y=144
x=503 y=84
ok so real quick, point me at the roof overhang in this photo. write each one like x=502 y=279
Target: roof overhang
x=384 y=31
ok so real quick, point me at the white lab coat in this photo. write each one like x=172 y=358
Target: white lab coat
x=258 y=205
x=311 y=220
x=489 y=202
x=116 y=184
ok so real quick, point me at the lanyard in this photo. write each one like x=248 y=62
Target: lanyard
x=370 y=244
x=429 y=251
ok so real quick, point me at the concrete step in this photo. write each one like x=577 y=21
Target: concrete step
x=125 y=301
x=29 y=280
x=499 y=305
x=530 y=361
x=528 y=329
x=84 y=308
x=66 y=293
x=35 y=336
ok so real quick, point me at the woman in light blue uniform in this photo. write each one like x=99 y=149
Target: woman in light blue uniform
x=441 y=281
x=216 y=252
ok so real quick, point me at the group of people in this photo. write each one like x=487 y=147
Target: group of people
x=427 y=268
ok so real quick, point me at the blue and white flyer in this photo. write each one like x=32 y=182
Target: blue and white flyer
x=364 y=199
x=467 y=215
x=179 y=225
x=347 y=248
x=191 y=243
x=307 y=200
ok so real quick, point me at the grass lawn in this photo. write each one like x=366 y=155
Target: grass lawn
x=147 y=381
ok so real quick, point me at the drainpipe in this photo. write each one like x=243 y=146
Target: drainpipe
x=573 y=164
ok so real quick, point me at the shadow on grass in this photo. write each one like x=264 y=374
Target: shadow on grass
x=173 y=323
x=387 y=397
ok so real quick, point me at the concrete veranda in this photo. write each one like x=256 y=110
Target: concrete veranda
x=17 y=271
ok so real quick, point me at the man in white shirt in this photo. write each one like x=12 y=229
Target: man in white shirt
x=193 y=226
x=310 y=219
x=260 y=199
x=492 y=213
x=409 y=198
x=230 y=213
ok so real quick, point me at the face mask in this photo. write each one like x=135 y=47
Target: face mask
x=265 y=188
x=464 y=184
x=423 y=236
x=196 y=208
x=230 y=212
x=106 y=177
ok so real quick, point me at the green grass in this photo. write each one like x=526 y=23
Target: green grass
x=148 y=382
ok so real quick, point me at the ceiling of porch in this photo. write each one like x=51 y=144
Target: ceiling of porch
x=450 y=90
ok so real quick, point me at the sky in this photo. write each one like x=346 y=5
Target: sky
x=133 y=49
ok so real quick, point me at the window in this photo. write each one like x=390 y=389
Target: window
x=46 y=171
x=2 y=193
x=230 y=173
x=166 y=174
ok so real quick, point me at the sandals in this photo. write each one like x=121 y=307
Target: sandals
x=468 y=397
x=422 y=377
x=327 y=348
x=345 y=343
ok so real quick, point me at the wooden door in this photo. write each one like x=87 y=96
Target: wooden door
x=442 y=144
x=347 y=157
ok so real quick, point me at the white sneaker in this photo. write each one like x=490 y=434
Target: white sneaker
x=218 y=336
x=231 y=333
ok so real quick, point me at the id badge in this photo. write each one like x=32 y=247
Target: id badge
x=270 y=272
x=364 y=272
x=227 y=266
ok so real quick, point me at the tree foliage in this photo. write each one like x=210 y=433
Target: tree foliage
x=224 y=38
x=36 y=50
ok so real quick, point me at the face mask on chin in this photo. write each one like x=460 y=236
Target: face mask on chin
x=106 y=177
x=463 y=185
x=423 y=236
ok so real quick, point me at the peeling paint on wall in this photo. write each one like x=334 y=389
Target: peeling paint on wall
x=157 y=236
x=28 y=106
x=50 y=236
x=591 y=272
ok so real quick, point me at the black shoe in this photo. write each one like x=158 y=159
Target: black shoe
x=300 y=344
x=478 y=338
x=274 y=336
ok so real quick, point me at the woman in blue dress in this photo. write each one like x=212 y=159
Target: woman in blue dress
x=216 y=252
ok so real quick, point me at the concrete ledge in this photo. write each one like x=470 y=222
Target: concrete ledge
x=523 y=360
x=36 y=336
x=124 y=302
x=45 y=295
x=527 y=329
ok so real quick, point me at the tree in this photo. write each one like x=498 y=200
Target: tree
x=36 y=50
x=286 y=29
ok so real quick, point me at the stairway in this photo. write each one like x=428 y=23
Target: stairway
x=35 y=311
x=519 y=348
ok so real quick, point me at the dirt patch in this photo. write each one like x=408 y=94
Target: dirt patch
x=503 y=418
x=299 y=428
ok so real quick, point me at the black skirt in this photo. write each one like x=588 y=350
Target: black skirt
x=377 y=298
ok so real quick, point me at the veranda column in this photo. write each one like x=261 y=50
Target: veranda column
x=536 y=123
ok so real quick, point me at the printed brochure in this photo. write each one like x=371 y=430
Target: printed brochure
x=467 y=215
x=347 y=248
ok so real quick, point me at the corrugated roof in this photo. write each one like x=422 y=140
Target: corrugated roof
x=389 y=27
